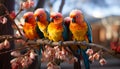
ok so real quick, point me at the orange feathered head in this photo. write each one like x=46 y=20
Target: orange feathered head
x=76 y=16
x=29 y=17
x=56 y=17
x=40 y=14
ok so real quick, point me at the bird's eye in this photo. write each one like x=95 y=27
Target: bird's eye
x=56 y=17
x=77 y=16
x=40 y=15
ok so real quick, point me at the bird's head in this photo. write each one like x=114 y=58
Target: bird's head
x=67 y=20
x=29 y=17
x=76 y=16
x=56 y=18
x=40 y=14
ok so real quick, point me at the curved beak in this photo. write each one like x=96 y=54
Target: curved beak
x=51 y=19
x=26 y=20
x=37 y=18
x=73 y=20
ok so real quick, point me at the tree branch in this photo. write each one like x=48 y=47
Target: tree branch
x=38 y=42
x=12 y=20
x=70 y=43
x=9 y=37
x=61 y=6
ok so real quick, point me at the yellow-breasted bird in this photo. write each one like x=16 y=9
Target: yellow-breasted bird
x=29 y=26
x=56 y=29
x=81 y=31
x=42 y=20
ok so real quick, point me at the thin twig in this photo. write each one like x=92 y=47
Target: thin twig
x=20 y=48
x=9 y=37
x=20 y=10
x=61 y=6
x=13 y=20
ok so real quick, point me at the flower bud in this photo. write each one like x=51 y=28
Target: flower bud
x=102 y=61
x=96 y=56
x=89 y=51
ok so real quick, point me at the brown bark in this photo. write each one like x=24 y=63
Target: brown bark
x=6 y=29
x=61 y=6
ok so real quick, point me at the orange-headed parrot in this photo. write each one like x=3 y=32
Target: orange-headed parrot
x=42 y=20
x=81 y=31
x=56 y=29
x=29 y=26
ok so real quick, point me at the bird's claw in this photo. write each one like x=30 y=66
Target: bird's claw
x=84 y=42
x=50 y=42
x=74 y=42
x=60 y=43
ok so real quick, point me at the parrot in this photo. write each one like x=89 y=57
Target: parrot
x=56 y=29
x=42 y=20
x=81 y=31
x=29 y=26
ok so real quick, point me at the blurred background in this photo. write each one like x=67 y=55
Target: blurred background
x=103 y=15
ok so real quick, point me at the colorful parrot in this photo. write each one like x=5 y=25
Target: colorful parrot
x=43 y=19
x=81 y=31
x=56 y=29
x=29 y=29
x=29 y=26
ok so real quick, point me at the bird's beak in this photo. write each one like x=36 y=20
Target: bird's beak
x=73 y=20
x=26 y=19
x=37 y=18
x=51 y=19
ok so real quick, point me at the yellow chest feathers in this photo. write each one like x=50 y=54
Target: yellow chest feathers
x=42 y=26
x=55 y=32
x=79 y=31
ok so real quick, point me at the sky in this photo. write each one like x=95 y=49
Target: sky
x=95 y=8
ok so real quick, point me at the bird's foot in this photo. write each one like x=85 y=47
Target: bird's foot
x=50 y=42
x=84 y=42
x=60 y=43
x=74 y=42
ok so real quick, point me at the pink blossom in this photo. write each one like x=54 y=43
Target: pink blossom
x=51 y=65
x=24 y=62
x=6 y=44
x=15 y=53
x=89 y=51
x=17 y=33
x=96 y=56
x=32 y=55
x=31 y=3
x=25 y=5
x=74 y=59
x=29 y=61
x=91 y=58
x=1 y=46
x=12 y=14
x=13 y=60
x=15 y=65
x=102 y=61
x=57 y=48
x=3 y=20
